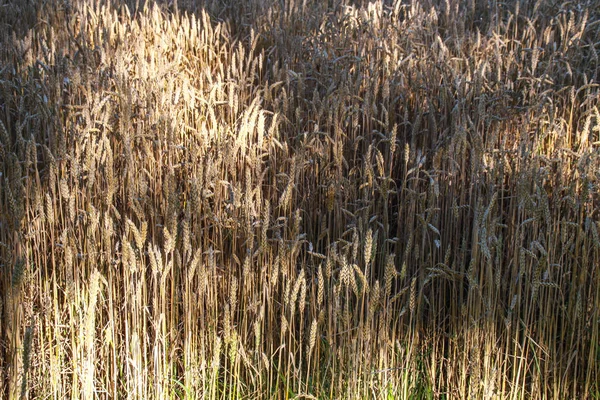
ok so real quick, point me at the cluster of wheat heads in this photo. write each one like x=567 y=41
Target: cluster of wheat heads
x=299 y=199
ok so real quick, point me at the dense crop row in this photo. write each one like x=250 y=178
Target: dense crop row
x=299 y=199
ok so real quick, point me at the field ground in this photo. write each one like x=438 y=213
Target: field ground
x=299 y=199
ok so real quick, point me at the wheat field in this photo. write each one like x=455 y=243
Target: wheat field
x=299 y=199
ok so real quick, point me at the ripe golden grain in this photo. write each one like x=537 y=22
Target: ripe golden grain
x=174 y=186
